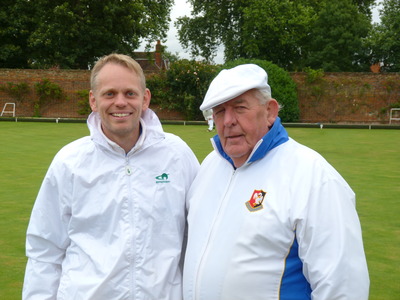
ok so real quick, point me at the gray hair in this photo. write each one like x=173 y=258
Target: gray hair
x=264 y=96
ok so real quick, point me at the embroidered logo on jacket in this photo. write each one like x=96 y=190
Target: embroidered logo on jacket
x=256 y=200
x=163 y=178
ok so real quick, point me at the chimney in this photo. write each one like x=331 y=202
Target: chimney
x=158 y=54
x=376 y=68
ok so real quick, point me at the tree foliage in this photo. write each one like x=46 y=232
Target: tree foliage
x=274 y=29
x=182 y=87
x=73 y=34
x=281 y=31
x=384 y=40
x=336 y=38
x=16 y=23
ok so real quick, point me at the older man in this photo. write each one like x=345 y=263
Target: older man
x=268 y=218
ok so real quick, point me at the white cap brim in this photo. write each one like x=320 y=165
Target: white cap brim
x=231 y=83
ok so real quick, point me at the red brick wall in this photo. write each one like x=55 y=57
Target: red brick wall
x=336 y=97
x=347 y=97
x=71 y=81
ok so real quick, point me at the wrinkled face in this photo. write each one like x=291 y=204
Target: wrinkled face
x=241 y=123
x=119 y=99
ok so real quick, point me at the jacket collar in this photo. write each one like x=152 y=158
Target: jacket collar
x=150 y=132
x=274 y=137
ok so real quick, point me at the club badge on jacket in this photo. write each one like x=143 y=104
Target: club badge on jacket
x=256 y=200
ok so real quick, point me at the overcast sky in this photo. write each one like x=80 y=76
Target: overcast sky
x=181 y=8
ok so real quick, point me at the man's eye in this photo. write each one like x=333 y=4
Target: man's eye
x=130 y=94
x=240 y=108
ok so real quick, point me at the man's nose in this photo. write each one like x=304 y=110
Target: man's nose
x=229 y=117
x=120 y=100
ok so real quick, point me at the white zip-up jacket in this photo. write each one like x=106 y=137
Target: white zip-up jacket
x=108 y=225
x=282 y=226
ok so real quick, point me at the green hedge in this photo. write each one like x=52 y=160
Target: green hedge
x=185 y=84
x=182 y=87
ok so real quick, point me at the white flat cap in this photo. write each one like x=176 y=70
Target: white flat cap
x=231 y=83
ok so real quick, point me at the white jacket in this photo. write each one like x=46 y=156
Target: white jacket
x=282 y=226
x=108 y=225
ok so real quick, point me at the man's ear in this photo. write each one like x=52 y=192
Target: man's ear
x=272 y=111
x=92 y=101
x=146 y=99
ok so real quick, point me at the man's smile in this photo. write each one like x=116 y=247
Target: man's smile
x=120 y=115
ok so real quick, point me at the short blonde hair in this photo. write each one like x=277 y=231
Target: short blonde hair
x=119 y=59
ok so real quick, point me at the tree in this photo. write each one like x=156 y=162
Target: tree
x=264 y=29
x=336 y=38
x=208 y=26
x=16 y=22
x=274 y=30
x=74 y=33
x=384 y=40
x=364 y=6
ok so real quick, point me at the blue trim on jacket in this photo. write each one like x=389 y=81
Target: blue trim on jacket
x=274 y=137
x=294 y=285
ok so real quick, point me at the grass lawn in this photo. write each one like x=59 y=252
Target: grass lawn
x=368 y=159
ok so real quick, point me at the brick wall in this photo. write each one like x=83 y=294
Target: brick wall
x=347 y=97
x=336 y=97
x=71 y=81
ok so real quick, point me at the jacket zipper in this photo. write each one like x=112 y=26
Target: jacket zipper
x=211 y=237
x=131 y=212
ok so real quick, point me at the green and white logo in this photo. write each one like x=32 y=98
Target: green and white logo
x=163 y=178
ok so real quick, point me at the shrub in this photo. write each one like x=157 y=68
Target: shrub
x=283 y=87
x=185 y=84
x=384 y=111
x=156 y=83
x=47 y=92
x=83 y=102
x=313 y=75
x=17 y=91
x=183 y=87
